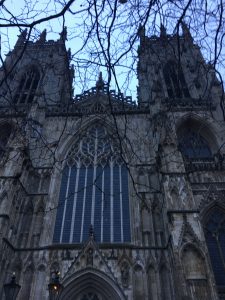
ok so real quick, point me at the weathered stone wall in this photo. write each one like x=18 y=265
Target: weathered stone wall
x=169 y=196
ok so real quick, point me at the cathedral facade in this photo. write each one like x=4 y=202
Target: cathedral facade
x=106 y=198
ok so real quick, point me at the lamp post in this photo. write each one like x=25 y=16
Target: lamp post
x=11 y=289
x=55 y=287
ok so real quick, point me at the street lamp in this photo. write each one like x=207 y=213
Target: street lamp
x=54 y=287
x=11 y=289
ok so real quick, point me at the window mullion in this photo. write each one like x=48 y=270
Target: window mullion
x=102 y=204
x=83 y=209
x=94 y=181
x=111 y=202
x=121 y=205
x=74 y=205
x=23 y=92
x=220 y=250
x=65 y=205
x=30 y=91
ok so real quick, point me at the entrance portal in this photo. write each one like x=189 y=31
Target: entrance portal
x=91 y=284
x=90 y=296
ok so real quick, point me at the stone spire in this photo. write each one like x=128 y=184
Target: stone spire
x=63 y=34
x=42 y=38
x=163 y=31
x=141 y=33
x=22 y=38
x=100 y=83
x=69 y=54
x=186 y=31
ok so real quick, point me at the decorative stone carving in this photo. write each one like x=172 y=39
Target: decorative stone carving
x=188 y=234
x=90 y=257
x=125 y=274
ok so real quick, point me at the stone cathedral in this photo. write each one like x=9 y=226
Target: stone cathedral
x=126 y=199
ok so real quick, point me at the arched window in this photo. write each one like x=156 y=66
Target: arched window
x=195 y=273
x=175 y=81
x=138 y=283
x=27 y=283
x=193 y=146
x=27 y=86
x=94 y=191
x=214 y=228
x=25 y=224
x=5 y=131
x=165 y=283
x=152 y=283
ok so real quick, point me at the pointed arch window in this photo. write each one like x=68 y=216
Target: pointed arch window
x=27 y=86
x=94 y=191
x=5 y=132
x=214 y=229
x=195 y=273
x=175 y=81
x=193 y=146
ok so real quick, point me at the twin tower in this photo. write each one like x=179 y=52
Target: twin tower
x=124 y=198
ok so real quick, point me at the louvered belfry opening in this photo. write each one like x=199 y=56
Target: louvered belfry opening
x=27 y=86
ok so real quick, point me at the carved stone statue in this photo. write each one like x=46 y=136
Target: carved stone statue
x=90 y=257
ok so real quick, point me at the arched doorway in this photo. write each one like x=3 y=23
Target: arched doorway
x=91 y=284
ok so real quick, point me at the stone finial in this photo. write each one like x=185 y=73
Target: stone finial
x=22 y=38
x=63 y=34
x=72 y=72
x=69 y=54
x=42 y=38
x=162 y=31
x=91 y=232
x=186 y=31
x=100 y=83
x=141 y=33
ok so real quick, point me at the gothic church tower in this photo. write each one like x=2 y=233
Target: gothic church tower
x=125 y=199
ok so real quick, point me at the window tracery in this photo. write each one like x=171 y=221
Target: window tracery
x=175 y=81
x=94 y=191
x=5 y=131
x=214 y=229
x=193 y=146
x=27 y=87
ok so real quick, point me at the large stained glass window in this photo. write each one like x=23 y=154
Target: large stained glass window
x=94 y=191
x=215 y=238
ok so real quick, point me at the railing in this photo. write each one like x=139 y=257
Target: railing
x=208 y=164
x=189 y=103
x=111 y=93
